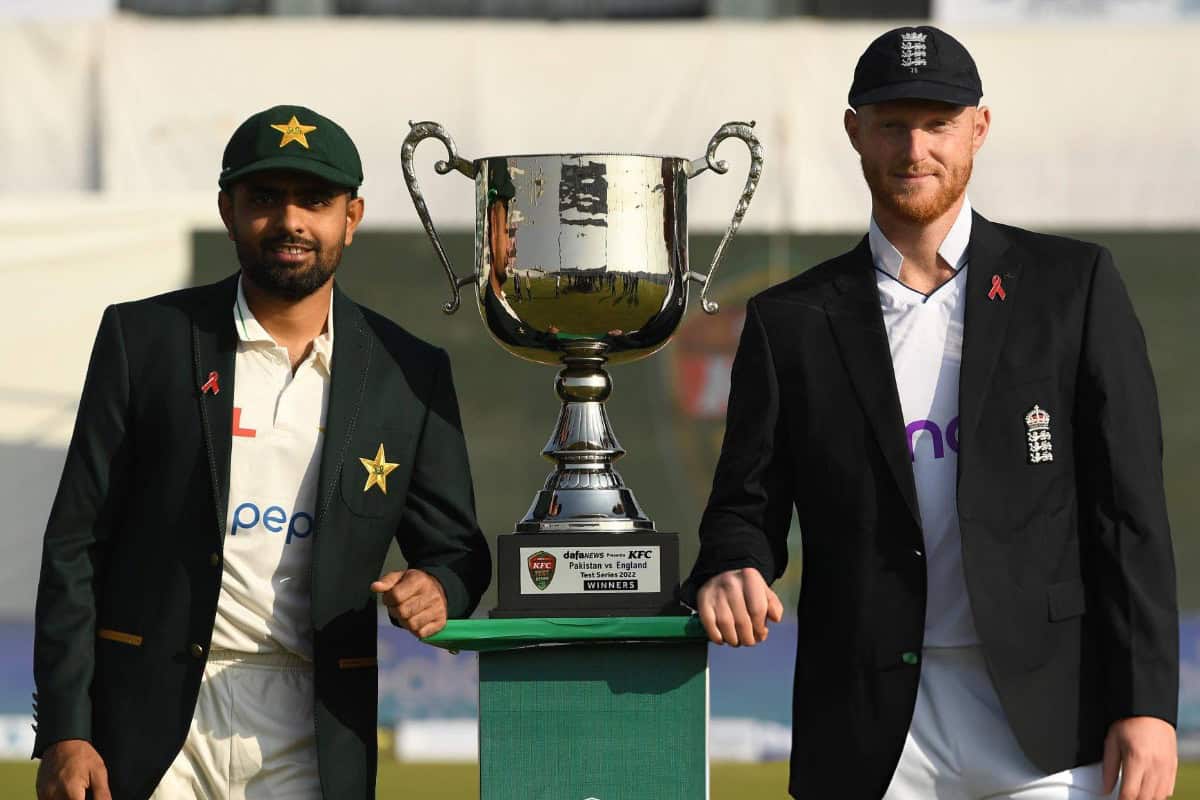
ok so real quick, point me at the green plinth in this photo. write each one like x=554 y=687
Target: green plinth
x=571 y=709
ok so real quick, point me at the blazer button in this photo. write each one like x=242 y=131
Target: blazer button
x=197 y=651
x=910 y=657
x=918 y=554
x=214 y=559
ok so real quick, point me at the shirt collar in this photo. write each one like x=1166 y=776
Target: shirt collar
x=251 y=331
x=953 y=248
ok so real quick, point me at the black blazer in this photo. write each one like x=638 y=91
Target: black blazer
x=1068 y=564
x=131 y=566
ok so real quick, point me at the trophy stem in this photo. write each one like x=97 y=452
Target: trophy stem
x=584 y=493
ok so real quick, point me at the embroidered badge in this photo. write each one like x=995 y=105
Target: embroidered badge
x=377 y=470
x=1037 y=433
x=912 y=50
x=294 y=131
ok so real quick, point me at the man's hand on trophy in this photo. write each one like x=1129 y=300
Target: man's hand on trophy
x=415 y=599
x=735 y=605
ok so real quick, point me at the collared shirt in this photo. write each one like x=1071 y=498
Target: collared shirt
x=925 y=335
x=953 y=248
x=278 y=433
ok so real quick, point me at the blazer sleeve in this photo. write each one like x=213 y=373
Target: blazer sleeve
x=82 y=520
x=745 y=523
x=438 y=531
x=1128 y=564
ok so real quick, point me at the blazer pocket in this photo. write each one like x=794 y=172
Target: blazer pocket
x=119 y=636
x=357 y=663
x=1066 y=600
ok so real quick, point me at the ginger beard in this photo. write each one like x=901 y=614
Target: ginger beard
x=919 y=204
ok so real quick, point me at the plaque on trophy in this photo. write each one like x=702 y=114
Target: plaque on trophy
x=581 y=261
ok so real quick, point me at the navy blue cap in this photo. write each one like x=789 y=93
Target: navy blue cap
x=921 y=63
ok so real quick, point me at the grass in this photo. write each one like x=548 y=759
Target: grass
x=461 y=782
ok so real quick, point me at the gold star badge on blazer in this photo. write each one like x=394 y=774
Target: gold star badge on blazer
x=377 y=470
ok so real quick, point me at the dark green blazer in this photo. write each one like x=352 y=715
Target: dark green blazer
x=131 y=565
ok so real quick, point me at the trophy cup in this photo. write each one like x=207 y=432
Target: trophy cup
x=581 y=260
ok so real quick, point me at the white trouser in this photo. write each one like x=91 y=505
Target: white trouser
x=960 y=746
x=252 y=735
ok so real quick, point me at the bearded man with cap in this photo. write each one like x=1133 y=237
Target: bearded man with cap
x=243 y=454
x=963 y=415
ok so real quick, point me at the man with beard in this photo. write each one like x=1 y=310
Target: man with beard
x=963 y=416
x=243 y=455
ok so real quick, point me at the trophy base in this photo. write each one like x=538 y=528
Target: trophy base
x=587 y=575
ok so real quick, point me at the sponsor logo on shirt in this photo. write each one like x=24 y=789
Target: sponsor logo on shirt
x=273 y=519
x=938 y=441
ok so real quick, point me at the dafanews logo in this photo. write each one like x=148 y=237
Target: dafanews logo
x=541 y=568
x=273 y=519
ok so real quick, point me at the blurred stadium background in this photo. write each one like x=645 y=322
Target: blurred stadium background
x=114 y=113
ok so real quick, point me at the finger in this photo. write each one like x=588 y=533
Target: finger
x=708 y=618
x=99 y=782
x=413 y=583
x=741 y=618
x=430 y=628
x=1112 y=762
x=725 y=622
x=386 y=582
x=774 y=607
x=73 y=790
x=1149 y=790
x=756 y=609
x=426 y=619
x=1131 y=780
x=414 y=606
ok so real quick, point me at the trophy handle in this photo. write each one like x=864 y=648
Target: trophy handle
x=745 y=132
x=427 y=130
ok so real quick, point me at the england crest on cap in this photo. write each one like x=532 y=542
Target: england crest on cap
x=912 y=50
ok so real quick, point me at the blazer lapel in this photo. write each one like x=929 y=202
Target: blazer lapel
x=991 y=260
x=352 y=346
x=858 y=328
x=214 y=348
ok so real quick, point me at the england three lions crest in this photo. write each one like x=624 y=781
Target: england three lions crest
x=912 y=50
x=1037 y=434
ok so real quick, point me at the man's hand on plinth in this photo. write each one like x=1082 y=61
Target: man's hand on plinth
x=734 y=607
x=415 y=599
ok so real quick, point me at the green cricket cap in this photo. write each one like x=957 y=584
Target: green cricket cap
x=294 y=138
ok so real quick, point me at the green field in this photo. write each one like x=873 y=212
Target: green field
x=457 y=782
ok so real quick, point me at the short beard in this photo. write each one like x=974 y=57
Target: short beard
x=284 y=282
x=918 y=209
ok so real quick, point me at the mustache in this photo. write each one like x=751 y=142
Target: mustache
x=915 y=169
x=290 y=241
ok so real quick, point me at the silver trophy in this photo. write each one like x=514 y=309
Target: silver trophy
x=581 y=260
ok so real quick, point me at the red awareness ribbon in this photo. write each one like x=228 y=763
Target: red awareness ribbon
x=211 y=384
x=996 y=289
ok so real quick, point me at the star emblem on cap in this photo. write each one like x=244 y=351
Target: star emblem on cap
x=377 y=470
x=294 y=131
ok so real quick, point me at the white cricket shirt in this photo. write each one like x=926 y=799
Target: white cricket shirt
x=278 y=430
x=925 y=334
